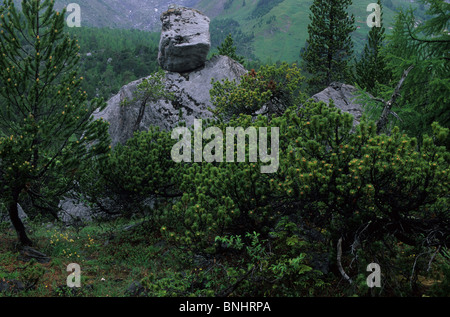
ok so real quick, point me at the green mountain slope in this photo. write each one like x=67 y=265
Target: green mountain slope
x=278 y=29
x=111 y=58
x=268 y=30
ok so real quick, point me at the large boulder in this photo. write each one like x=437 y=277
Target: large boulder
x=344 y=97
x=185 y=40
x=192 y=99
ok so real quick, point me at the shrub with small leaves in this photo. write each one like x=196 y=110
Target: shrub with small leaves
x=271 y=90
x=133 y=174
x=337 y=180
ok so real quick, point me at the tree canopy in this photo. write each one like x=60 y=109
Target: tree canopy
x=46 y=129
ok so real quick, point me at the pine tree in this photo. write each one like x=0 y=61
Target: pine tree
x=227 y=48
x=151 y=89
x=371 y=70
x=269 y=91
x=425 y=45
x=329 y=46
x=133 y=173
x=370 y=190
x=46 y=130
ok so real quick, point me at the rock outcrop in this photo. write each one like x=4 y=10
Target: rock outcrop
x=344 y=97
x=185 y=40
x=183 y=49
x=192 y=98
x=74 y=213
x=184 y=46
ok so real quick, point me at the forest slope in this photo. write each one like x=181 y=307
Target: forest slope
x=274 y=30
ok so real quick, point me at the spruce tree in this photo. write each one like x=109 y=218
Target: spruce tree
x=227 y=48
x=371 y=70
x=329 y=46
x=46 y=128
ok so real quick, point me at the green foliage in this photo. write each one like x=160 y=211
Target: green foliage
x=270 y=90
x=172 y=284
x=151 y=89
x=376 y=187
x=426 y=46
x=282 y=269
x=133 y=173
x=362 y=178
x=46 y=130
x=227 y=48
x=329 y=46
x=112 y=58
x=31 y=274
x=371 y=69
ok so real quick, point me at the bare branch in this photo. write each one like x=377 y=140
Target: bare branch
x=382 y=122
x=432 y=258
x=339 y=255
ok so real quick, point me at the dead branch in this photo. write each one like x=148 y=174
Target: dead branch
x=339 y=255
x=432 y=258
x=382 y=122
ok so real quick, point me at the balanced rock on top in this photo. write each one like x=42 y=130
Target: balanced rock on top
x=185 y=40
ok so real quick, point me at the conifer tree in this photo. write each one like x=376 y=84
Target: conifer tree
x=371 y=70
x=269 y=91
x=134 y=172
x=426 y=46
x=227 y=48
x=46 y=128
x=370 y=190
x=329 y=46
x=151 y=89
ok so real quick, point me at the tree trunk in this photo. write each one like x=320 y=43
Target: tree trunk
x=140 y=115
x=17 y=223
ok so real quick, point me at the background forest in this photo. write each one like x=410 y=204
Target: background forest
x=343 y=197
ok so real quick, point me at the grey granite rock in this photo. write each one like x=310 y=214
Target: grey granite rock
x=344 y=97
x=192 y=98
x=185 y=39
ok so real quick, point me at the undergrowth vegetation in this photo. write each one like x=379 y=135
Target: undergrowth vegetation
x=120 y=263
x=342 y=195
